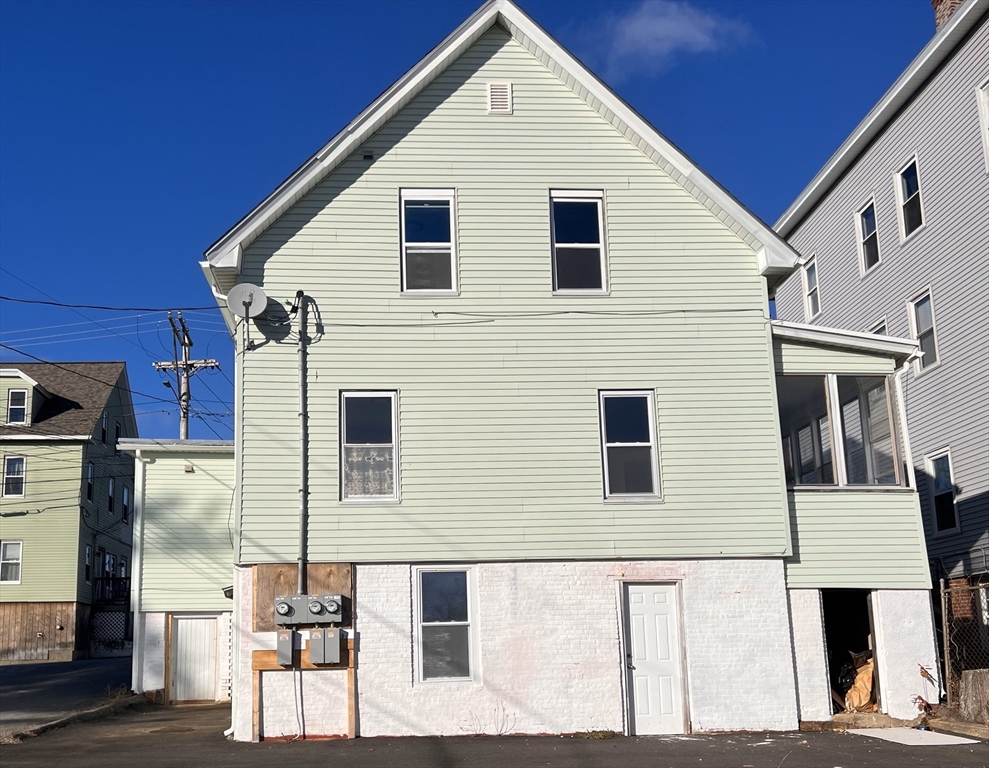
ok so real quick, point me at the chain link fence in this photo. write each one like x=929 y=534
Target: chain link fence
x=965 y=636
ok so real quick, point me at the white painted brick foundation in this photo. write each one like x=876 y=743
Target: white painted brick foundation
x=313 y=703
x=810 y=654
x=905 y=640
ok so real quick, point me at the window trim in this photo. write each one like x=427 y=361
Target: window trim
x=27 y=419
x=473 y=643
x=812 y=261
x=982 y=100
x=578 y=196
x=929 y=460
x=445 y=194
x=23 y=476
x=20 y=562
x=396 y=497
x=880 y=323
x=900 y=201
x=919 y=370
x=865 y=269
x=657 y=495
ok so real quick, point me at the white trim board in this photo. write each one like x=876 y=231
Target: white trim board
x=776 y=257
x=888 y=346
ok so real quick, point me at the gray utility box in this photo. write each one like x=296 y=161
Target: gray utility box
x=324 y=646
x=285 y=647
x=296 y=610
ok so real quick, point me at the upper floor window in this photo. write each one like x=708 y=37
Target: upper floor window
x=109 y=496
x=14 y=472
x=103 y=428
x=445 y=625
x=812 y=296
x=908 y=196
x=368 y=456
x=125 y=504
x=429 y=258
x=577 y=225
x=17 y=406
x=628 y=436
x=982 y=96
x=89 y=481
x=879 y=328
x=868 y=237
x=922 y=320
x=11 y=555
x=942 y=487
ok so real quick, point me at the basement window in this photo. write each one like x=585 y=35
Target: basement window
x=445 y=624
x=368 y=446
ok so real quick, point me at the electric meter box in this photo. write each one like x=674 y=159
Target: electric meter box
x=292 y=610
x=324 y=609
x=285 y=647
x=324 y=646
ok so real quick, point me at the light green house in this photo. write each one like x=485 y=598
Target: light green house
x=65 y=510
x=505 y=353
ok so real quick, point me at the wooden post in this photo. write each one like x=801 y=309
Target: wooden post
x=256 y=705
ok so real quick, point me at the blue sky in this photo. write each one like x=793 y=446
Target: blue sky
x=133 y=134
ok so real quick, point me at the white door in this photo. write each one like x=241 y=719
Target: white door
x=193 y=659
x=652 y=658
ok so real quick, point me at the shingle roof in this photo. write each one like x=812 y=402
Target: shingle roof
x=79 y=394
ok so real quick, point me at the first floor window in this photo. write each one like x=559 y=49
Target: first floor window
x=867 y=430
x=577 y=224
x=943 y=492
x=812 y=295
x=17 y=406
x=109 y=564
x=13 y=475
x=89 y=564
x=923 y=323
x=445 y=624
x=428 y=252
x=368 y=424
x=10 y=562
x=628 y=432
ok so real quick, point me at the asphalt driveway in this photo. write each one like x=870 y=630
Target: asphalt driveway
x=32 y=694
x=163 y=737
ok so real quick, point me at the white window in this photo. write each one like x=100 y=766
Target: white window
x=369 y=455
x=10 y=562
x=911 y=212
x=125 y=504
x=109 y=496
x=577 y=227
x=868 y=236
x=103 y=420
x=500 y=98
x=17 y=406
x=942 y=486
x=879 y=328
x=982 y=97
x=812 y=296
x=89 y=564
x=89 y=481
x=628 y=437
x=445 y=643
x=922 y=325
x=14 y=472
x=429 y=254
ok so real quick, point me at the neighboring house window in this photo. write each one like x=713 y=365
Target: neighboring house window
x=628 y=435
x=109 y=496
x=982 y=96
x=445 y=624
x=125 y=504
x=922 y=319
x=89 y=564
x=111 y=565
x=577 y=223
x=116 y=434
x=942 y=492
x=368 y=428
x=13 y=475
x=908 y=195
x=17 y=406
x=89 y=482
x=103 y=426
x=100 y=562
x=10 y=562
x=122 y=568
x=812 y=296
x=868 y=237
x=429 y=258
x=879 y=328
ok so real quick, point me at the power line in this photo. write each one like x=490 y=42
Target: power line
x=100 y=307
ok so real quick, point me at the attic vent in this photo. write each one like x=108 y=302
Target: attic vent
x=499 y=98
x=368 y=154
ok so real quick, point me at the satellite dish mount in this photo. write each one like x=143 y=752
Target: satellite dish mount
x=246 y=300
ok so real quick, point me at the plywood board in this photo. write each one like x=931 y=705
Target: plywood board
x=272 y=580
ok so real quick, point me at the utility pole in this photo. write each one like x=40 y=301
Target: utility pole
x=184 y=370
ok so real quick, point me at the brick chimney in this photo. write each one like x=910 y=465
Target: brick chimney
x=943 y=10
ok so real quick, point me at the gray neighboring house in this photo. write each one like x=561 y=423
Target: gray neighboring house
x=894 y=231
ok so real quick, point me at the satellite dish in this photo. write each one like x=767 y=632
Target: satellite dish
x=246 y=300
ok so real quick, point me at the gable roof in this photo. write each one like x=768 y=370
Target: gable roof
x=776 y=257
x=78 y=393
x=941 y=47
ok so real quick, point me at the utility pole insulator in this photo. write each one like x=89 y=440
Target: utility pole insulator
x=185 y=370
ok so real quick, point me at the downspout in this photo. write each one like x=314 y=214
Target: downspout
x=303 y=442
x=901 y=408
x=137 y=567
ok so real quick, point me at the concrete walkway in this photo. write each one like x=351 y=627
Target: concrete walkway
x=32 y=694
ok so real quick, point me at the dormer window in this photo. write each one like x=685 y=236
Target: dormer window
x=17 y=406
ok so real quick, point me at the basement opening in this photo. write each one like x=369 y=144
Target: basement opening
x=850 y=642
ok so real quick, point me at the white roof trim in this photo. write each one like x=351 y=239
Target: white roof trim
x=34 y=438
x=888 y=346
x=775 y=256
x=150 y=445
x=15 y=373
x=940 y=48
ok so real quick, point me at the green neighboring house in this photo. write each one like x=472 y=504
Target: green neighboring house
x=65 y=510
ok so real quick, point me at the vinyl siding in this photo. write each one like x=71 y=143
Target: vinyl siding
x=948 y=406
x=795 y=358
x=499 y=435
x=187 y=528
x=46 y=520
x=865 y=539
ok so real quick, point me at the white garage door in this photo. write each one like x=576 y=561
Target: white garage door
x=193 y=659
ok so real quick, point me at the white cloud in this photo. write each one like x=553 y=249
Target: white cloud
x=649 y=36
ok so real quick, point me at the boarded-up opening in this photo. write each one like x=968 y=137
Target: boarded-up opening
x=272 y=580
x=849 y=639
